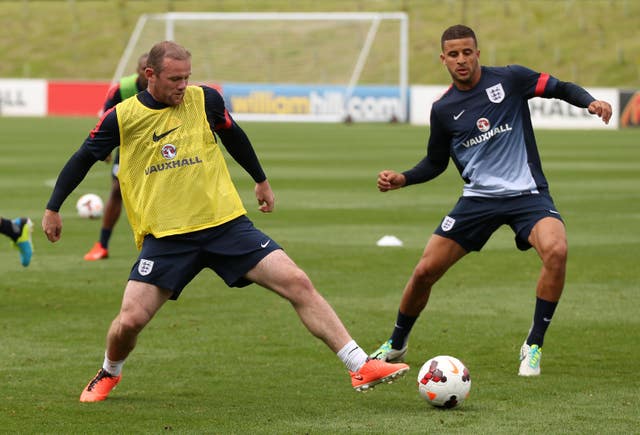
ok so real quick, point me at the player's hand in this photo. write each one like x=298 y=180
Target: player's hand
x=52 y=225
x=390 y=180
x=602 y=109
x=266 y=198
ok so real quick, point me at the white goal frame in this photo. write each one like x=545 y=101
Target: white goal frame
x=374 y=17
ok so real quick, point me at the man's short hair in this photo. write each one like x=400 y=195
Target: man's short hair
x=459 y=31
x=163 y=49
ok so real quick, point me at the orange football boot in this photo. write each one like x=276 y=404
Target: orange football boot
x=99 y=387
x=376 y=371
x=98 y=252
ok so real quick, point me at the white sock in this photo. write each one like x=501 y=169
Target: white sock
x=352 y=356
x=113 y=367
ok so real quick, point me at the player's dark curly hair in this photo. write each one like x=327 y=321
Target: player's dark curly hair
x=459 y=31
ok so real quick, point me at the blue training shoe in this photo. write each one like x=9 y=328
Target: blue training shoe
x=23 y=243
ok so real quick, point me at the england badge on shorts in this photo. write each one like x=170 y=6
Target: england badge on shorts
x=145 y=267
x=447 y=223
x=495 y=93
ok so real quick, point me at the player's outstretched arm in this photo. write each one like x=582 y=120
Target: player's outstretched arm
x=52 y=225
x=601 y=109
x=579 y=97
x=390 y=180
x=264 y=195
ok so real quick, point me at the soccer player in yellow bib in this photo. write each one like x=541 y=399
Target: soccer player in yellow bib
x=186 y=215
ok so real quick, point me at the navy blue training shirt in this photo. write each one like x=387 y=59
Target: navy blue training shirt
x=487 y=132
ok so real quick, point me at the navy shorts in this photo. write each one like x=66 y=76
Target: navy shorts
x=231 y=250
x=474 y=219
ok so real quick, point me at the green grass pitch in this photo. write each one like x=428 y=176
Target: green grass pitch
x=226 y=360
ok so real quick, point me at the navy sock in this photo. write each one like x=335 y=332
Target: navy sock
x=401 y=330
x=7 y=227
x=105 y=235
x=541 y=320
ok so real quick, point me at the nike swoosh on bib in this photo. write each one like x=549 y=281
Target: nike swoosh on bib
x=157 y=137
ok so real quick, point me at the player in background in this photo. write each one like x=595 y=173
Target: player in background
x=19 y=231
x=186 y=214
x=127 y=87
x=482 y=123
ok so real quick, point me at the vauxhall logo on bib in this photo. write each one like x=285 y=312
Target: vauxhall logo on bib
x=170 y=152
x=495 y=93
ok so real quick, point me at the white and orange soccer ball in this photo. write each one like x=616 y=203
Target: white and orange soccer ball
x=444 y=381
x=90 y=206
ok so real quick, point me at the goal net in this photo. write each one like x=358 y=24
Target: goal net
x=290 y=66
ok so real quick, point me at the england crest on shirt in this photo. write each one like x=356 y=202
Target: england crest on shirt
x=495 y=93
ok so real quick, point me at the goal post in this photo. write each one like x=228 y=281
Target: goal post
x=306 y=66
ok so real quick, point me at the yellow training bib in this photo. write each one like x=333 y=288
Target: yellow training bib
x=173 y=176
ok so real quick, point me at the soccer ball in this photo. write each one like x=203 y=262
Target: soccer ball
x=90 y=206
x=444 y=381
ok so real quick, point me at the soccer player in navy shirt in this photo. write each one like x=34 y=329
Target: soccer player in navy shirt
x=482 y=123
